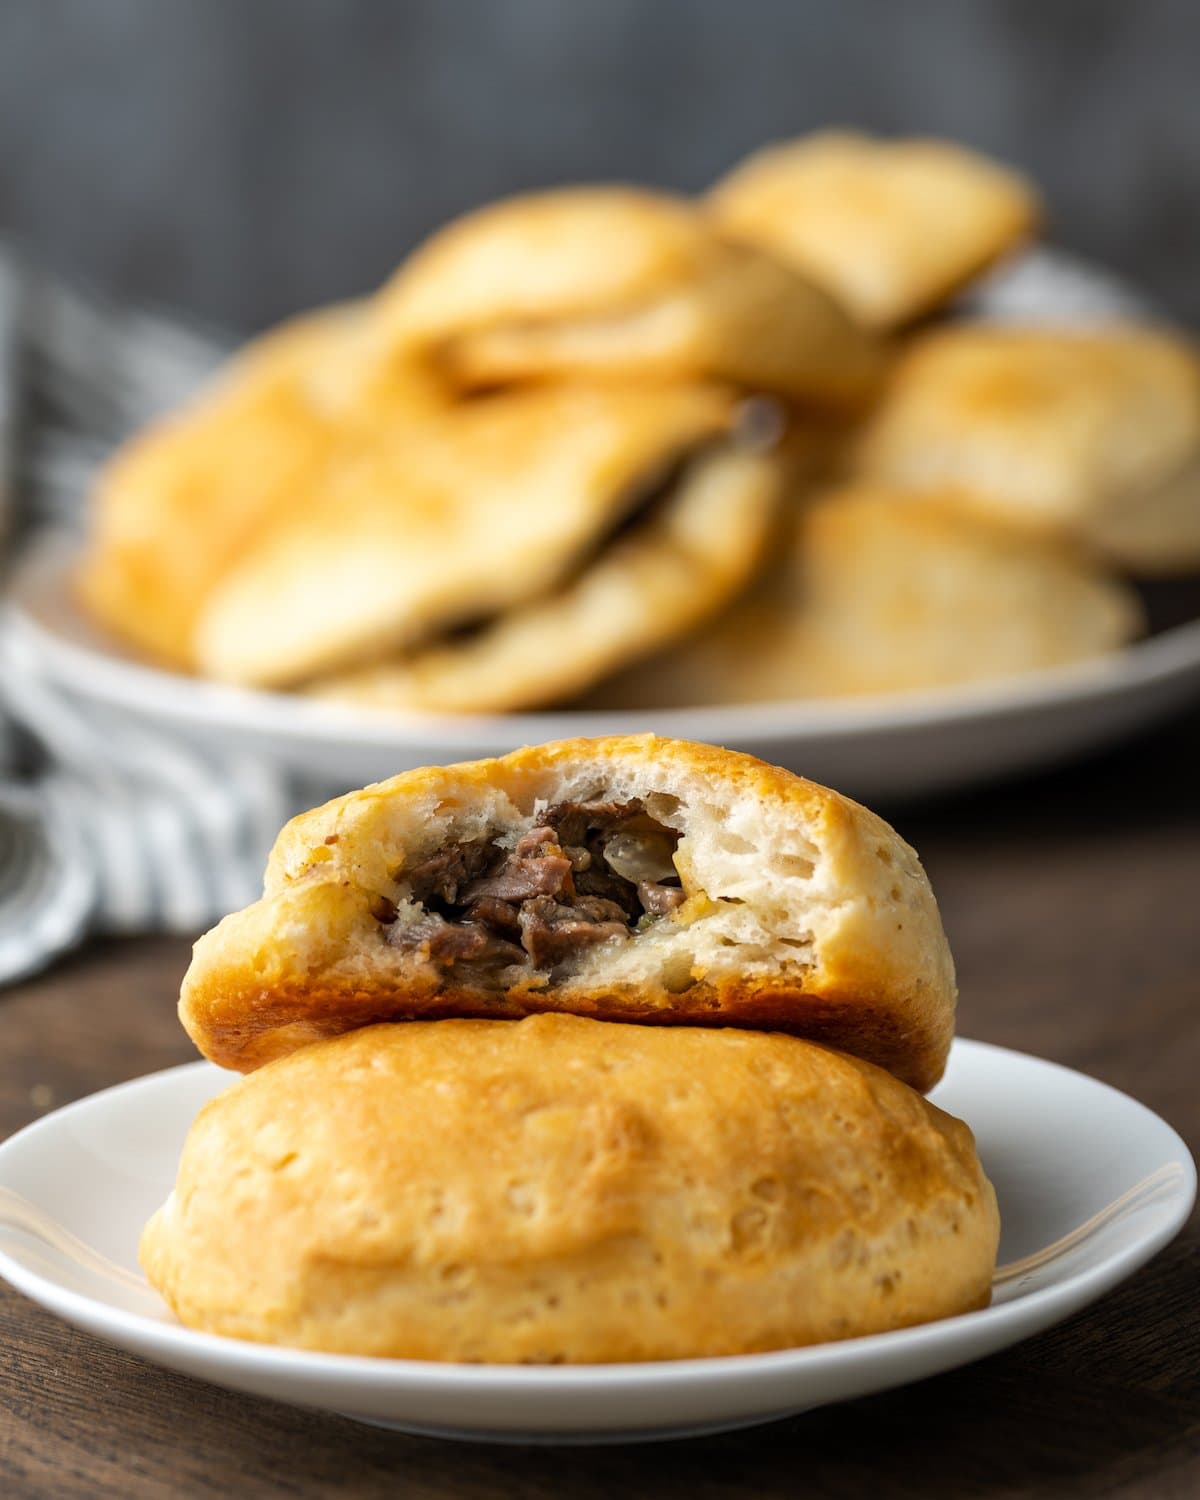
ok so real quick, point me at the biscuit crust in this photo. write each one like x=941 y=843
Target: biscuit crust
x=1090 y=434
x=560 y=1190
x=882 y=592
x=175 y=505
x=891 y=228
x=489 y=506
x=644 y=591
x=803 y=912
x=619 y=283
x=176 y=508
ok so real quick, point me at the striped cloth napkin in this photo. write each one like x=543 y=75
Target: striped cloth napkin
x=106 y=824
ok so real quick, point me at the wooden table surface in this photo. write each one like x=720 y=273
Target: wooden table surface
x=1073 y=905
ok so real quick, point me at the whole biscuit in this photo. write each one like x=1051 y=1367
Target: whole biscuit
x=1091 y=434
x=668 y=573
x=881 y=592
x=489 y=505
x=563 y=1190
x=619 y=283
x=890 y=228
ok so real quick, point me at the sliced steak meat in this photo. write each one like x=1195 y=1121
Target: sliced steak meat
x=471 y=942
x=520 y=878
x=595 y=909
x=442 y=875
x=659 y=900
x=552 y=933
x=500 y=916
x=600 y=882
x=448 y=943
x=573 y=820
x=587 y=873
x=531 y=842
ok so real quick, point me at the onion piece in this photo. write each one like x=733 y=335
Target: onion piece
x=641 y=856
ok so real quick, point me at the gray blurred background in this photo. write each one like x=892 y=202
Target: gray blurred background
x=242 y=158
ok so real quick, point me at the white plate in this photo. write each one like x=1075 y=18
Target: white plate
x=870 y=747
x=1091 y=1185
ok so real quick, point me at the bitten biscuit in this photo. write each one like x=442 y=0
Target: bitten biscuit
x=560 y=1190
x=635 y=879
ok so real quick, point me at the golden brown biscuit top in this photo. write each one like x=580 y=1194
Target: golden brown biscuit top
x=546 y=255
x=617 y=282
x=1044 y=427
x=479 y=509
x=892 y=228
x=882 y=590
x=559 y=1189
x=600 y=1118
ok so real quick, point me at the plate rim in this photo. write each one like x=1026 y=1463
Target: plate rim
x=382 y=1373
x=130 y=683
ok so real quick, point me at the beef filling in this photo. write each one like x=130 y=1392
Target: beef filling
x=587 y=873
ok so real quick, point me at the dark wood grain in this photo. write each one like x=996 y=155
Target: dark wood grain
x=1073 y=903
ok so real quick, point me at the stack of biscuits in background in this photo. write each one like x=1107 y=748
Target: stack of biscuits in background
x=608 y=445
